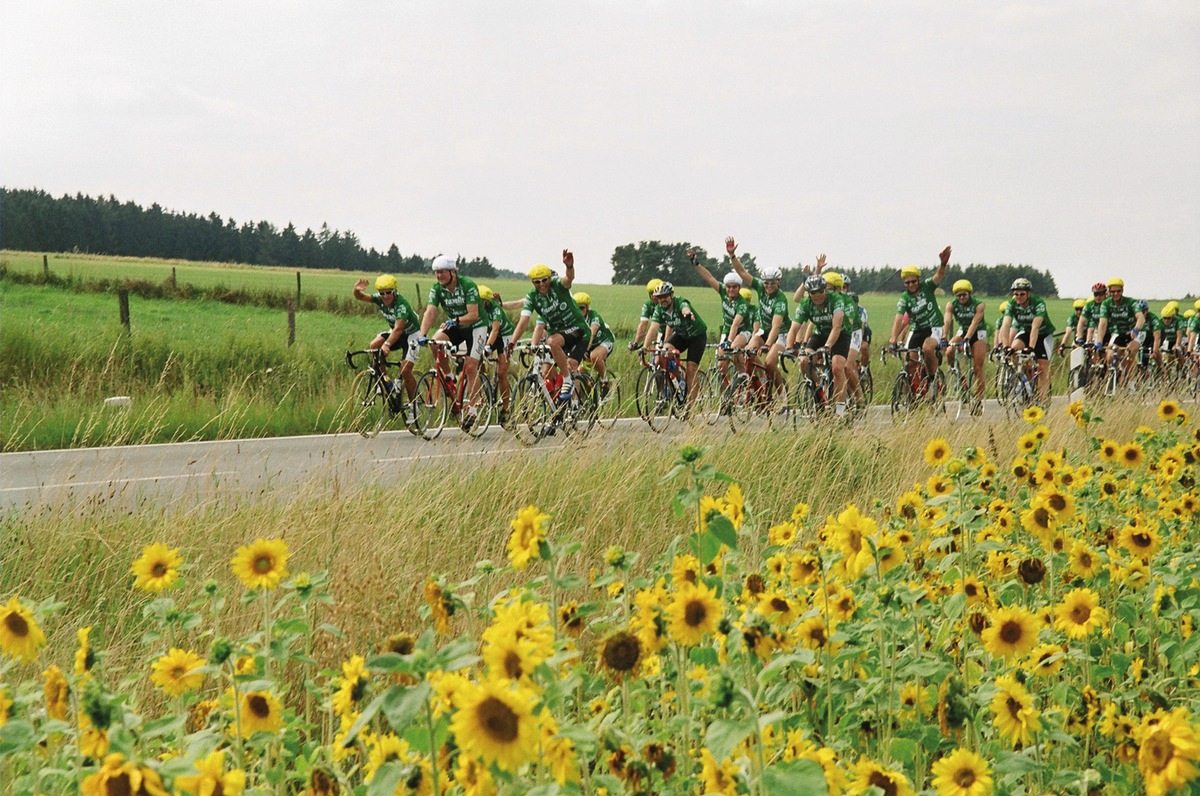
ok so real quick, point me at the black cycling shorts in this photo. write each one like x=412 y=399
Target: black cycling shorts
x=1042 y=346
x=574 y=343
x=840 y=347
x=692 y=346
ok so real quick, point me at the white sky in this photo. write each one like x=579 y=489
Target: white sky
x=1063 y=135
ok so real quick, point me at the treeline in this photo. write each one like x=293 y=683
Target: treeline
x=638 y=263
x=33 y=220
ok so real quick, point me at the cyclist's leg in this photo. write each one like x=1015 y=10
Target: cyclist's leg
x=978 y=355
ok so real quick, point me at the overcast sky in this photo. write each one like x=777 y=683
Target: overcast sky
x=1063 y=135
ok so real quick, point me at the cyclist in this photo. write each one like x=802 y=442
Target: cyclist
x=1027 y=324
x=1000 y=323
x=689 y=334
x=919 y=303
x=402 y=320
x=566 y=328
x=864 y=351
x=967 y=311
x=1169 y=332
x=600 y=339
x=1072 y=324
x=1192 y=317
x=464 y=324
x=772 y=311
x=1085 y=327
x=736 y=328
x=499 y=334
x=820 y=317
x=852 y=323
x=647 y=312
x=1120 y=323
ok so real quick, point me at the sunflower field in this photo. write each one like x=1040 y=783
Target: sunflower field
x=1014 y=626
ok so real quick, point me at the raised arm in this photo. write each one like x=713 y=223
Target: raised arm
x=360 y=292
x=569 y=265
x=705 y=274
x=731 y=250
x=944 y=260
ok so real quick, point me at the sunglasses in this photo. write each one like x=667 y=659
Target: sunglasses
x=1020 y=292
x=541 y=281
x=911 y=281
x=815 y=292
x=963 y=295
x=1116 y=290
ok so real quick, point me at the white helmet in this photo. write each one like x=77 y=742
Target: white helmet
x=732 y=278
x=444 y=262
x=773 y=274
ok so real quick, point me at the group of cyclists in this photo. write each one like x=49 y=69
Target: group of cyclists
x=825 y=323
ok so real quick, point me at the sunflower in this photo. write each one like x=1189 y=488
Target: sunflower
x=621 y=653
x=962 y=772
x=1061 y=504
x=118 y=777
x=385 y=748
x=916 y=701
x=813 y=633
x=1085 y=564
x=842 y=605
x=85 y=657
x=1131 y=455
x=6 y=704
x=1169 y=751
x=20 y=636
x=441 y=605
x=799 y=512
x=260 y=711
x=56 y=692
x=1013 y=632
x=1080 y=613
x=1039 y=521
x=849 y=534
x=804 y=569
x=1016 y=718
x=1109 y=450
x=693 y=612
x=474 y=777
x=909 y=504
x=93 y=742
x=975 y=591
x=779 y=607
x=212 y=778
x=868 y=774
x=1033 y=414
x=495 y=723
x=782 y=534
x=157 y=568
x=175 y=673
x=937 y=452
x=1026 y=444
x=1168 y=410
x=1020 y=468
x=938 y=486
x=528 y=536
x=685 y=567
x=508 y=656
x=351 y=688
x=261 y=564
x=718 y=777
x=1142 y=541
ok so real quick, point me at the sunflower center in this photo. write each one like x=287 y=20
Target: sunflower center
x=622 y=652
x=694 y=613
x=1011 y=632
x=1014 y=707
x=779 y=604
x=1085 y=560
x=264 y=564
x=1158 y=750
x=258 y=705
x=118 y=785
x=512 y=665
x=818 y=636
x=964 y=777
x=15 y=624
x=498 y=720
x=1141 y=539
x=1058 y=502
x=1042 y=517
x=1131 y=455
x=1080 y=613
x=884 y=783
x=159 y=569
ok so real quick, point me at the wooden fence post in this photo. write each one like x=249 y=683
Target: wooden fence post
x=419 y=304
x=46 y=267
x=292 y=320
x=174 y=284
x=123 y=303
x=297 y=287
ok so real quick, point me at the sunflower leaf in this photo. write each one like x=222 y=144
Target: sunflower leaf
x=725 y=734
x=16 y=736
x=720 y=527
x=401 y=704
x=387 y=779
x=364 y=718
x=795 y=776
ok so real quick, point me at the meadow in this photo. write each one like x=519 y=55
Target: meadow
x=208 y=369
x=983 y=608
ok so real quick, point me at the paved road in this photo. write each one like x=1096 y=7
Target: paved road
x=188 y=473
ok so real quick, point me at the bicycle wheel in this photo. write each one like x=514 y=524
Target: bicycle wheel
x=658 y=396
x=484 y=406
x=367 y=408
x=707 y=408
x=584 y=405
x=903 y=398
x=937 y=392
x=640 y=393
x=529 y=411
x=738 y=401
x=608 y=400
x=781 y=412
x=431 y=406
x=868 y=385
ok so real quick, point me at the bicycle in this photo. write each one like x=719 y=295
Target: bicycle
x=962 y=383
x=536 y=410
x=440 y=397
x=914 y=388
x=1115 y=378
x=662 y=388
x=1015 y=381
x=814 y=390
x=375 y=398
x=1090 y=374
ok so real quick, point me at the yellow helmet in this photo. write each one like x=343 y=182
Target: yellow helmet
x=486 y=293
x=834 y=279
x=582 y=298
x=963 y=285
x=1003 y=306
x=1170 y=309
x=1196 y=306
x=746 y=293
x=540 y=271
x=1190 y=314
x=909 y=270
x=1116 y=281
x=653 y=285
x=385 y=282
x=1079 y=304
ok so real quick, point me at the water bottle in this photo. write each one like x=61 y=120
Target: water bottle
x=671 y=364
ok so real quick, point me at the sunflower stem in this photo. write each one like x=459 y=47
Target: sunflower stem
x=433 y=761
